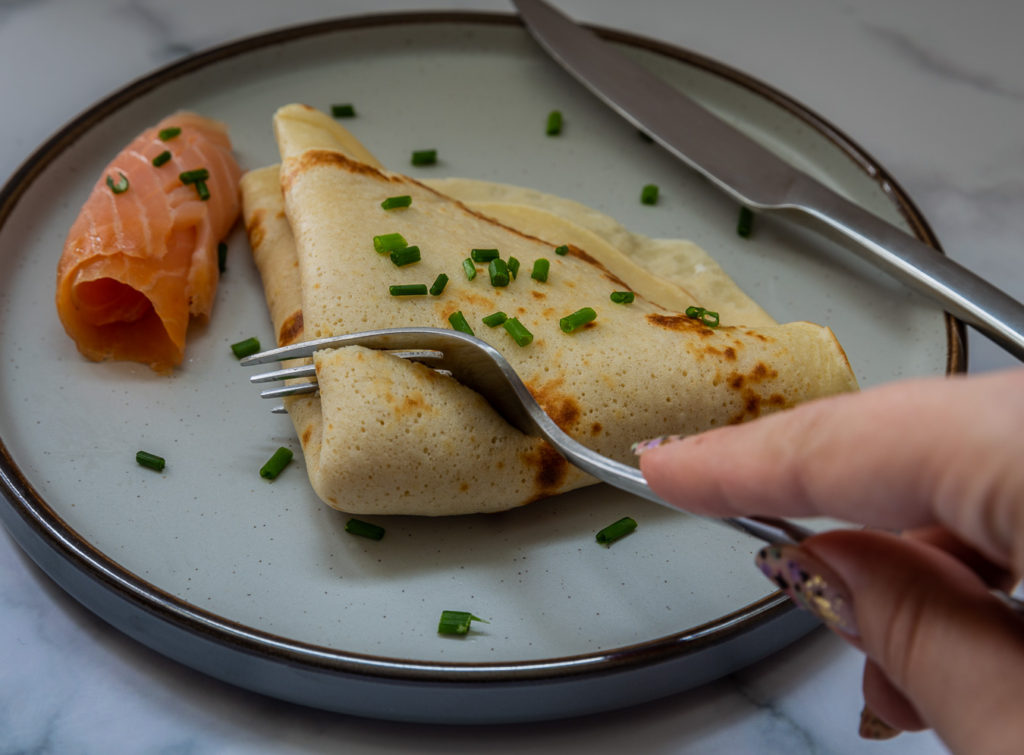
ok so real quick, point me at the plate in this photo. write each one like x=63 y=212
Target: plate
x=256 y=582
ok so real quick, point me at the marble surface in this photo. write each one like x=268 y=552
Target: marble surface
x=934 y=89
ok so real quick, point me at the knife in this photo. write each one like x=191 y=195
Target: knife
x=758 y=178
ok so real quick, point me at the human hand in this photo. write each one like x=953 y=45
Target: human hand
x=938 y=459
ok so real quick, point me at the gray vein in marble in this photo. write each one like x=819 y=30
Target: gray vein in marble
x=157 y=26
x=780 y=732
x=940 y=65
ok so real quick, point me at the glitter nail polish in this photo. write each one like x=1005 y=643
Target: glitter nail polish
x=872 y=727
x=811 y=584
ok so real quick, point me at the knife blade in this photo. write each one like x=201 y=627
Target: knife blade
x=758 y=178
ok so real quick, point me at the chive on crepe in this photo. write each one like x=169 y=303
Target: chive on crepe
x=408 y=289
x=458 y=321
x=705 y=316
x=518 y=331
x=437 y=287
x=577 y=319
x=389 y=242
x=407 y=255
x=494 y=319
x=394 y=203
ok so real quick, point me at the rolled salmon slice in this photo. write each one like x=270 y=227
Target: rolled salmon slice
x=141 y=257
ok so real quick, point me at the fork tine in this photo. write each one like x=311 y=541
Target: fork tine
x=394 y=338
x=302 y=371
x=298 y=389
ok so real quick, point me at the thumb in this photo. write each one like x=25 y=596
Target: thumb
x=929 y=624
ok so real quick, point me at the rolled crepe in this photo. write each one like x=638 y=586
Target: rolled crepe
x=387 y=436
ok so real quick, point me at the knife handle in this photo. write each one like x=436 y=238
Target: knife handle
x=963 y=294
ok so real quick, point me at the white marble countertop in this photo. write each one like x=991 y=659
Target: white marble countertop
x=932 y=88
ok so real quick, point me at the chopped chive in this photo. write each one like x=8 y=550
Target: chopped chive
x=391 y=203
x=121 y=186
x=470 y=268
x=276 y=463
x=222 y=256
x=577 y=319
x=166 y=134
x=562 y=250
x=495 y=319
x=406 y=255
x=364 y=529
x=518 y=331
x=345 y=110
x=540 y=269
x=706 y=317
x=162 y=158
x=437 y=287
x=617 y=530
x=389 y=242
x=456 y=622
x=202 y=190
x=152 y=461
x=745 y=223
x=408 y=289
x=458 y=321
x=424 y=157
x=649 y=194
x=622 y=297
x=194 y=176
x=497 y=269
x=483 y=255
x=246 y=347
x=513 y=267
x=554 y=127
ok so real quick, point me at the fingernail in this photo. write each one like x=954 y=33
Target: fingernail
x=872 y=727
x=646 y=445
x=811 y=584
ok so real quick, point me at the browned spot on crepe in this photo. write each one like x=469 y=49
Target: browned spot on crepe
x=254 y=229
x=291 y=329
x=550 y=469
x=561 y=406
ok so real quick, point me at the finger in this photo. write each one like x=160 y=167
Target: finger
x=911 y=454
x=887 y=711
x=993 y=575
x=930 y=625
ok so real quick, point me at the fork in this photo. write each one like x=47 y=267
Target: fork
x=478 y=365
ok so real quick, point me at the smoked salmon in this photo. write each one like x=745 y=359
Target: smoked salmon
x=141 y=257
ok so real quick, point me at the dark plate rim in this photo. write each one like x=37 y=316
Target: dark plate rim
x=67 y=546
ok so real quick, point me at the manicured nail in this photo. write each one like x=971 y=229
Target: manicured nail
x=872 y=727
x=646 y=445
x=811 y=584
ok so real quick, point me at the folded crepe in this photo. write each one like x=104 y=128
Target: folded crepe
x=389 y=436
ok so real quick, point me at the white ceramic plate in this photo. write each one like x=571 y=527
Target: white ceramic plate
x=256 y=582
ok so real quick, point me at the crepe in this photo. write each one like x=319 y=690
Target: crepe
x=388 y=436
